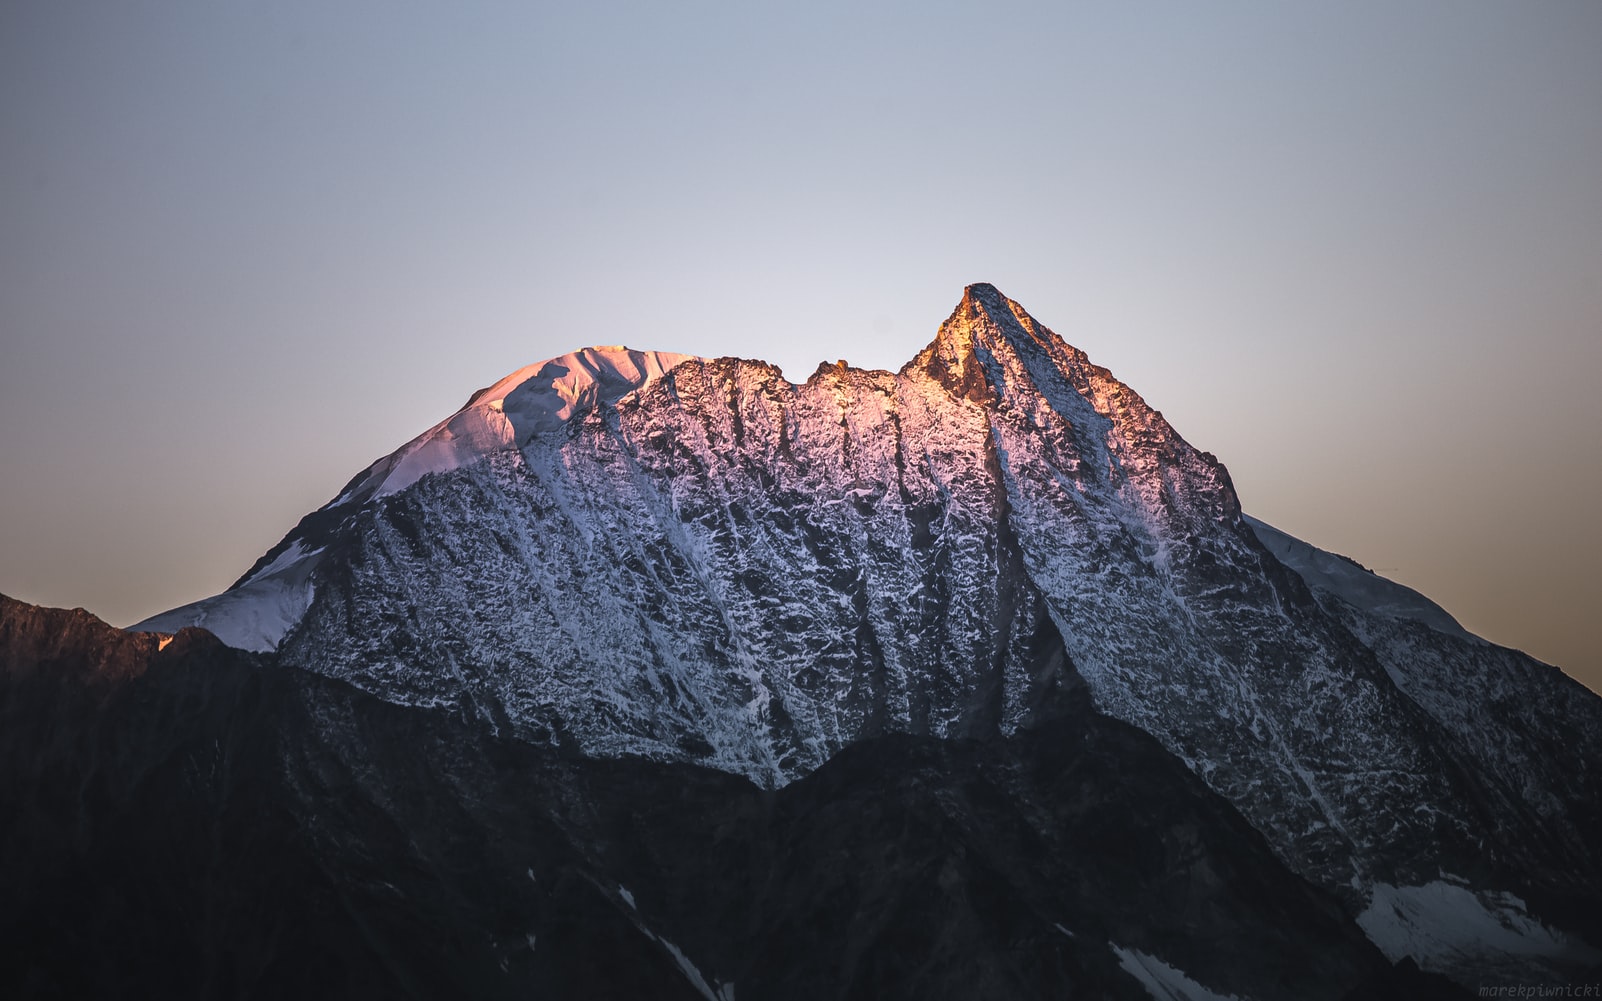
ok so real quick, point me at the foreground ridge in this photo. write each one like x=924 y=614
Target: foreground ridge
x=342 y=846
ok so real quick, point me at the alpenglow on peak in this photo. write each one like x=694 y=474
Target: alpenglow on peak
x=631 y=553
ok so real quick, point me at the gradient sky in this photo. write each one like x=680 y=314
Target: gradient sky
x=1354 y=249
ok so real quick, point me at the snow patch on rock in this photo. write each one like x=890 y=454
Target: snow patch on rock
x=1351 y=582
x=1164 y=982
x=1445 y=926
x=257 y=614
x=534 y=399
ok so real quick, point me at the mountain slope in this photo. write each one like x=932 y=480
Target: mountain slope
x=196 y=823
x=711 y=564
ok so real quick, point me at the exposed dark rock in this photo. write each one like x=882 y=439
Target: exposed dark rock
x=207 y=825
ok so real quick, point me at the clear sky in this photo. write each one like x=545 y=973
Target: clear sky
x=1354 y=249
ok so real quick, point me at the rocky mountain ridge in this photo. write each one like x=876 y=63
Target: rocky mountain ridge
x=187 y=820
x=697 y=561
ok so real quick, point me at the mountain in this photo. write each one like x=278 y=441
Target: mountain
x=189 y=820
x=694 y=561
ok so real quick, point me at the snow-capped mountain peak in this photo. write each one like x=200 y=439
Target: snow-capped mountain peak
x=638 y=553
x=534 y=399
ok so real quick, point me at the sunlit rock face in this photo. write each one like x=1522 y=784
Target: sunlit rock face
x=694 y=559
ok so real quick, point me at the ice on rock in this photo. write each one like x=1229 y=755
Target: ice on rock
x=1163 y=982
x=1446 y=925
x=531 y=400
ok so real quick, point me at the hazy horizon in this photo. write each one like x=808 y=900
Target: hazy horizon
x=1356 y=252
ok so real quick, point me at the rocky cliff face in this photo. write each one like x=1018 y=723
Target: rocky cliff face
x=208 y=824
x=691 y=560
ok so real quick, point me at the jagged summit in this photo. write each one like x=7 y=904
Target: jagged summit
x=984 y=317
x=977 y=350
x=984 y=328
